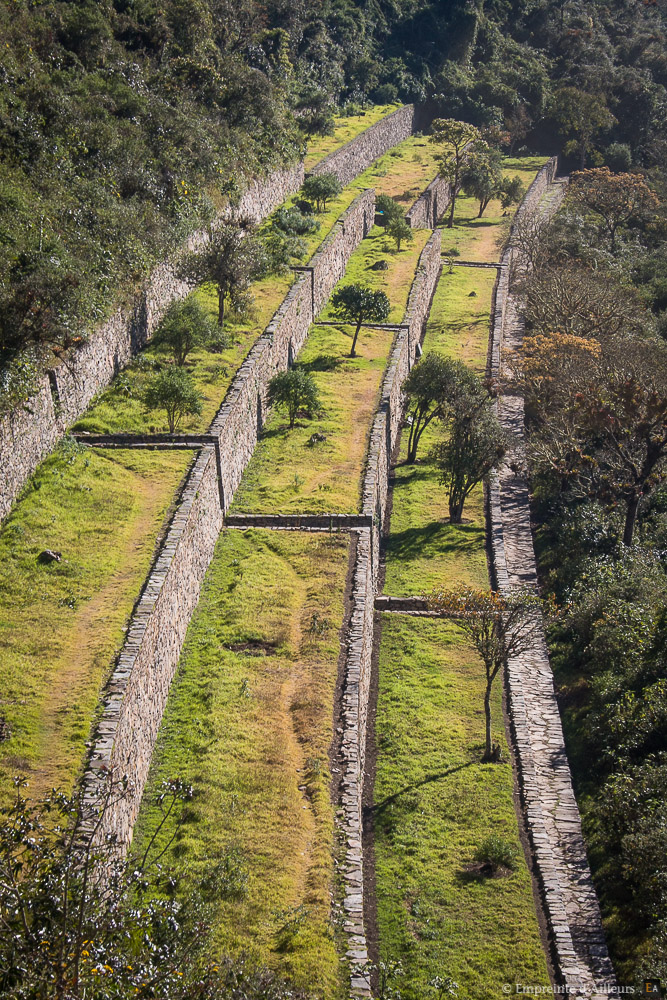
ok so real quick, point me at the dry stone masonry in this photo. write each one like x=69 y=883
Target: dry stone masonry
x=430 y=205
x=578 y=945
x=383 y=440
x=358 y=154
x=136 y=695
x=31 y=433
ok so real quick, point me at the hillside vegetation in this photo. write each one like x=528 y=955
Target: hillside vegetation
x=126 y=123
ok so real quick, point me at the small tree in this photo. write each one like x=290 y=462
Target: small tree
x=614 y=199
x=518 y=124
x=482 y=175
x=399 y=230
x=475 y=445
x=186 y=327
x=231 y=259
x=500 y=626
x=358 y=305
x=456 y=135
x=320 y=188
x=294 y=391
x=436 y=387
x=173 y=390
x=388 y=208
x=482 y=178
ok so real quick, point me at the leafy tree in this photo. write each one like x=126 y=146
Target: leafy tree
x=79 y=921
x=615 y=200
x=185 y=327
x=321 y=188
x=173 y=390
x=482 y=175
x=624 y=408
x=436 y=387
x=232 y=257
x=389 y=208
x=583 y=116
x=295 y=391
x=358 y=304
x=475 y=445
x=500 y=627
x=456 y=136
x=399 y=230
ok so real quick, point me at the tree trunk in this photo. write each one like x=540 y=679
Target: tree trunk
x=487 y=716
x=221 y=307
x=630 y=519
x=455 y=511
x=353 y=352
x=450 y=220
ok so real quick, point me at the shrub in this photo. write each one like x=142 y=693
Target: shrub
x=497 y=852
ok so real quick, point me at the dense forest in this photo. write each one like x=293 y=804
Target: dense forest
x=127 y=123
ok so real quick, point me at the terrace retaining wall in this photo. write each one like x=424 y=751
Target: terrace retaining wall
x=383 y=440
x=355 y=156
x=576 y=937
x=430 y=205
x=135 y=697
x=30 y=433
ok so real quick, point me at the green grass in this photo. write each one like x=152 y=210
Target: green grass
x=120 y=407
x=346 y=127
x=249 y=724
x=288 y=475
x=61 y=624
x=404 y=171
x=435 y=803
x=481 y=239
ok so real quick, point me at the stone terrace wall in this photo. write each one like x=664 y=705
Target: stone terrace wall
x=241 y=416
x=570 y=904
x=358 y=154
x=30 y=434
x=430 y=205
x=383 y=440
x=135 y=697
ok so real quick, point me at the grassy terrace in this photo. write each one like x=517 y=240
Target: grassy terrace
x=287 y=474
x=346 y=127
x=249 y=724
x=62 y=623
x=435 y=803
x=403 y=173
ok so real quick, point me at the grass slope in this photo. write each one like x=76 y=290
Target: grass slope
x=249 y=723
x=435 y=803
x=61 y=624
x=288 y=475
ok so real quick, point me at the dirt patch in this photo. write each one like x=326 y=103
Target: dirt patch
x=253 y=647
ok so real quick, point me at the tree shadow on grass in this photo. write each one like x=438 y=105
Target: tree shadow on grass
x=323 y=363
x=434 y=538
x=378 y=807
